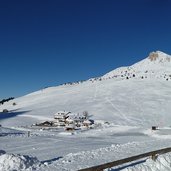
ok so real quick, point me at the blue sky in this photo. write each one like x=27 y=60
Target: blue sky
x=49 y=42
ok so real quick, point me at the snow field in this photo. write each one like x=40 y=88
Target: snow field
x=129 y=107
x=162 y=163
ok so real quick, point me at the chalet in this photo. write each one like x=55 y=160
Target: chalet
x=69 y=121
x=60 y=118
x=87 y=123
x=59 y=122
x=70 y=126
x=61 y=115
x=77 y=118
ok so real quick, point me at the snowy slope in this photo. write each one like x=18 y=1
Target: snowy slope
x=156 y=65
x=131 y=99
x=136 y=101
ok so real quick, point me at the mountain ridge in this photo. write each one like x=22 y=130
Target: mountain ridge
x=156 y=65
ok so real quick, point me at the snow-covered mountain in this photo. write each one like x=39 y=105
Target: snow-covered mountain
x=156 y=65
x=135 y=95
x=127 y=101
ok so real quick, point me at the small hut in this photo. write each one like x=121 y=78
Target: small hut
x=46 y=123
x=70 y=126
x=154 y=128
x=87 y=123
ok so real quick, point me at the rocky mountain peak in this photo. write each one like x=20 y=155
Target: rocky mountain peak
x=159 y=56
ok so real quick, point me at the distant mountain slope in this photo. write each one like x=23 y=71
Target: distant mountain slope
x=140 y=100
x=156 y=65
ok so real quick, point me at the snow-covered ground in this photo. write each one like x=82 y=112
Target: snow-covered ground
x=11 y=162
x=162 y=163
x=55 y=151
x=124 y=108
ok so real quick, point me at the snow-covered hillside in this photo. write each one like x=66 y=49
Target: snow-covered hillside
x=157 y=65
x=124 y=104
x=137 y=95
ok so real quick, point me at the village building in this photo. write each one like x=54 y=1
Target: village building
x=60 y=118
x=46 y=123
x=70 y=125
x=78 y=119
x=87 y=123
x=61 y=115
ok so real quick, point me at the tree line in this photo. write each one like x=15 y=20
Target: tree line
x=6 y=100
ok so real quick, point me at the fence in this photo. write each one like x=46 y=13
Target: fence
x=152 y=154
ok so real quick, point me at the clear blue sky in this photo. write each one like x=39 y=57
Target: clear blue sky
x=49 y=42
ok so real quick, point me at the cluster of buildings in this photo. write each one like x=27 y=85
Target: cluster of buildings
x=68 y=120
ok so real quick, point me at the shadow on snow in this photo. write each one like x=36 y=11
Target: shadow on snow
x=12 y=113
x=11 y=134
x=128 y=165
x=51 y=160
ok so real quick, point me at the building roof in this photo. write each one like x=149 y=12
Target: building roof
x=62 y=113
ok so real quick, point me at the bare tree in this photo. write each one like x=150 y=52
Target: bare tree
x=86 y=114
